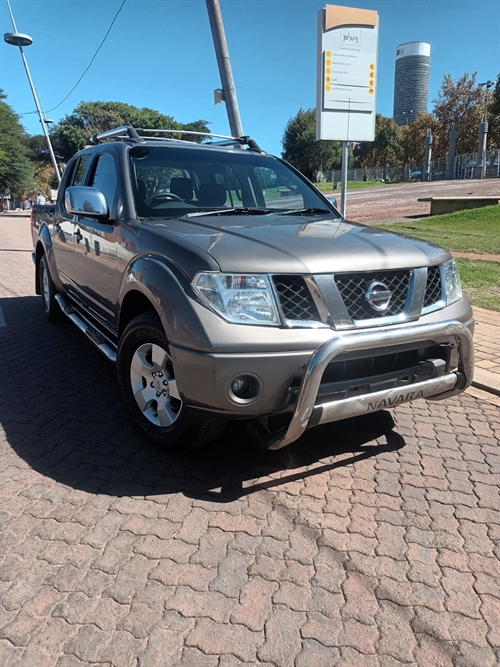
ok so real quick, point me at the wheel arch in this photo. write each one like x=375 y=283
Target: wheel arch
x=134 y=303
x=150 y=283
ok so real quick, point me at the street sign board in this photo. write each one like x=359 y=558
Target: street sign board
x=346 y=74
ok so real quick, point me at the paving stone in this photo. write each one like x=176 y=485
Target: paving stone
x=282 y=637
x=196 y=604
x=232 y=574
x=314 y=653
x=218 y=639
x=396 y=636
x=255 y=604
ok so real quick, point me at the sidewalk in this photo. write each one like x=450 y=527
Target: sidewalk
x=487 y=351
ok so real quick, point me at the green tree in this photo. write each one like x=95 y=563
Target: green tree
x=303 y=151
x=385 y=149
x=72 y=133
x=458 y=103
x=494 y=117
x=413 y=137
x=16 y=168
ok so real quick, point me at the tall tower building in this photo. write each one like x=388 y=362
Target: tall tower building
x=411 y=81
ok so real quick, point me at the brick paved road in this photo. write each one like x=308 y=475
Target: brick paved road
x=370 y=542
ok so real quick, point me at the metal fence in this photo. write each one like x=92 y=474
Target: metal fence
x=464 y=166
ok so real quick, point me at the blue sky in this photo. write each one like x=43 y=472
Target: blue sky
x=160 y=54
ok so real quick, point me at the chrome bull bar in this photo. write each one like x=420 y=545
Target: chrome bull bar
x=307 y=413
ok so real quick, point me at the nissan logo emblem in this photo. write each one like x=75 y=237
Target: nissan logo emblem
x=378 y=296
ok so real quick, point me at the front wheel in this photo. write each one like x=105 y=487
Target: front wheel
x=148 y=389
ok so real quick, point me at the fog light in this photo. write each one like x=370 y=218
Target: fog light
x=244 y=389
x=240 y=386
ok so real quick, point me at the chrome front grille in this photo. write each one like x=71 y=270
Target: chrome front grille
x=295 y=299
x=433 y=287
x=308 y=300
x=354 y=286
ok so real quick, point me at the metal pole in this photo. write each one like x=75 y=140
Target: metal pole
x=452 y=148
x=479 y=171
x=224 y=64
x=37 y=104
x=345 y=160
x=426 y=171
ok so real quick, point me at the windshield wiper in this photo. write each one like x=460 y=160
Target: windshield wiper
x=307 y=211
x=244 y=210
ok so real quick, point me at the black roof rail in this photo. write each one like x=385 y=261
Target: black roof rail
x=132 y=134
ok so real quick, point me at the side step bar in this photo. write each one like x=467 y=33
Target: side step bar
x=103 y=345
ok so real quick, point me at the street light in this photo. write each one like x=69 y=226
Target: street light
x=19 y=39
x=487 y=85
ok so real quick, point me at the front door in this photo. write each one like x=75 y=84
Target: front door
x=64 y=228
x=95 y=246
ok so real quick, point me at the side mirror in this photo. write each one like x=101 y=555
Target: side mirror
x=332 y=200
x=87 y=201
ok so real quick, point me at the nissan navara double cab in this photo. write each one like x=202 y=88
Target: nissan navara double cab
x=224 y=285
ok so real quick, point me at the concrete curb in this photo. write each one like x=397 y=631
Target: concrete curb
x=486 y=381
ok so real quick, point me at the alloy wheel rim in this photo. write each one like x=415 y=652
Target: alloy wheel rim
x=154 y=386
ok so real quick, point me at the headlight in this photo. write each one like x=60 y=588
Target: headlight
x=453 y=287
x=241 y=299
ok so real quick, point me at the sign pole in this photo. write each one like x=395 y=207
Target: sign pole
x=343 y=194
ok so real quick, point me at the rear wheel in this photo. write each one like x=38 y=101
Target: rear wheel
x=52 y=309
x=148 y=389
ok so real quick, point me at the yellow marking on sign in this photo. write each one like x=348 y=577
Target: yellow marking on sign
x=372 y=66
x=372 y=75
x=328 y=63
x=371 y=91
x=328 y=54
x=328 y=70
x=327 y=88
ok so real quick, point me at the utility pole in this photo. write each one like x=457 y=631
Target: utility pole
x=18 y=39
x=226 y=75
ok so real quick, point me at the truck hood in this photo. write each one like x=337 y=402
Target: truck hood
x=298 y=244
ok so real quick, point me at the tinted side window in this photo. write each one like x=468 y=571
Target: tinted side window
x=79 y=171
x=105 y=178
x=75 y=178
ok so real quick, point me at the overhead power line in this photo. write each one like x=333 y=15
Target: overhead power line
x=26 y=113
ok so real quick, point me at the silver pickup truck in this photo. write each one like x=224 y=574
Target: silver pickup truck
x=225 y=286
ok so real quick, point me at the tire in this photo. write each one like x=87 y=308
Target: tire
x=149 y=392
x=52 y=310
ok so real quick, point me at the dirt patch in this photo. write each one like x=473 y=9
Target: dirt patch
x=393 y=203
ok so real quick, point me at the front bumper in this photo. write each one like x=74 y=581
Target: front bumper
x=306 y=413
x=206 y=377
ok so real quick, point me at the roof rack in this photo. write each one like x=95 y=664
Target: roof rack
x=130 y=133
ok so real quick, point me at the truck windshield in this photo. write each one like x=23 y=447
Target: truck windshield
x=171 y=181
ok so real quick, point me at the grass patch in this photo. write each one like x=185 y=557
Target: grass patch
x=477 y=230
x=481 y=282
x=351 y=185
